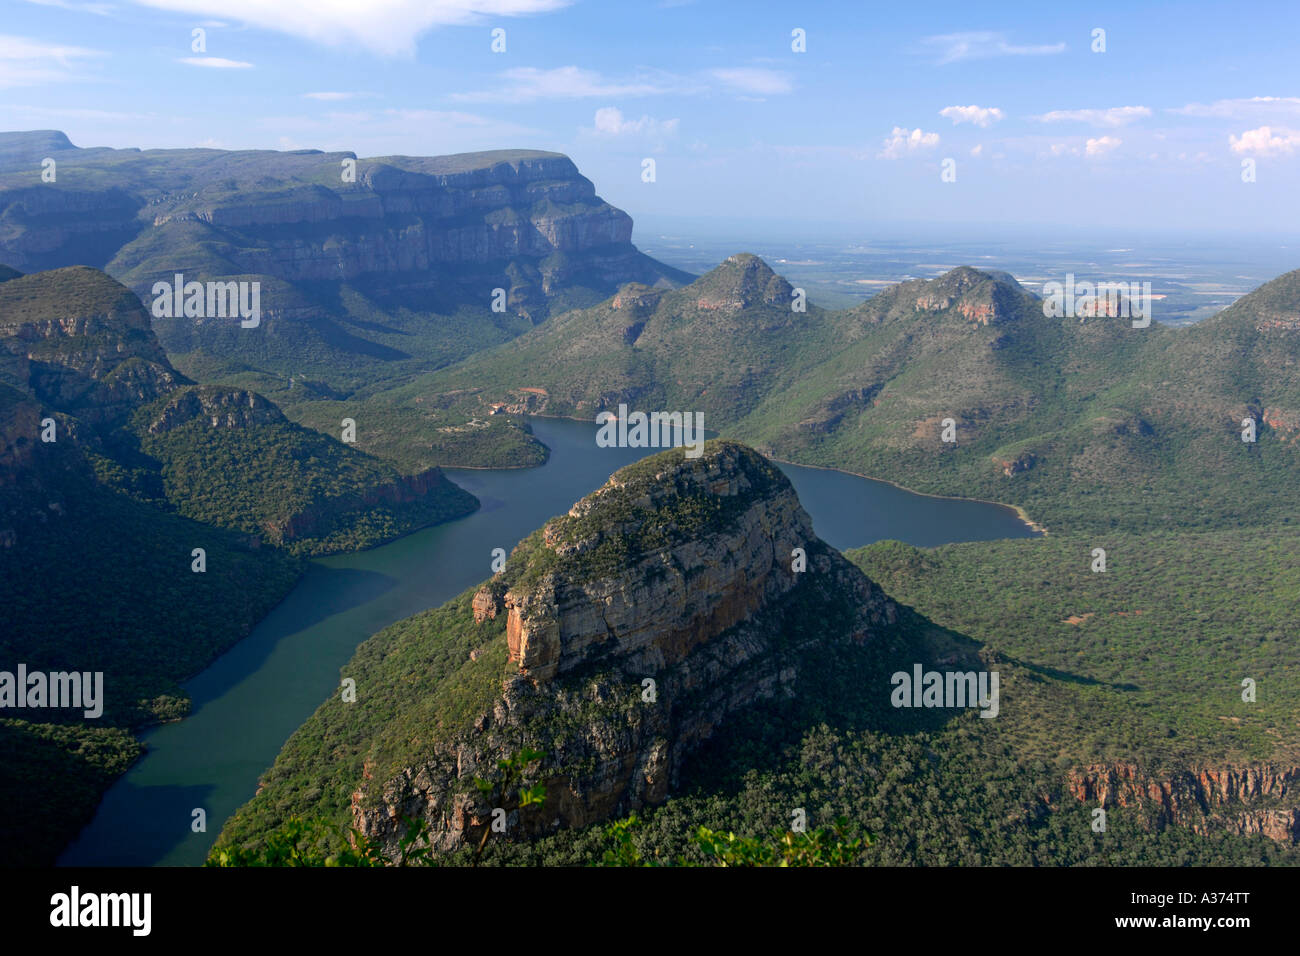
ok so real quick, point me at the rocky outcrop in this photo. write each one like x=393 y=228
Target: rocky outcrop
x=1284 y=422
x=1016 y=465
x=637 y=625
x=488 y=603
x=215 y=405
x=1256 y=799
x=979 y=297
x=645 y=618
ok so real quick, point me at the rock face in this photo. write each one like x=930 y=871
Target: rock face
x=637 y=625
x=523 y=220
x=487 y=604
x=981 y=298
x=1014 y=466
x=1263 y=798
x=217 y=406
x=657 y=610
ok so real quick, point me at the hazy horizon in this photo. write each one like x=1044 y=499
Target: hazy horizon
x=814 y=115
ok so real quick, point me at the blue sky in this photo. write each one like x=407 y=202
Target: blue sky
x=1151 y=133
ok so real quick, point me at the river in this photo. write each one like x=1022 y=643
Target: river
x=252 y=698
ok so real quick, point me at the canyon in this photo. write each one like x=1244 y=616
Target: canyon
x=621 y=637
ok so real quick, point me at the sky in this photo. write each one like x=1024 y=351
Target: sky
x=1178 y=116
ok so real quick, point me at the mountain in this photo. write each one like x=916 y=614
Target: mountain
x=370 y=268
x=81 y=344
x=1084 y=423
x=657 y=647
x=114 y=471
x=718 y=345
x=620 y=638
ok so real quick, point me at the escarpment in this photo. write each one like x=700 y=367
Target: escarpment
x=635 y=626
x=523 y=220
x=1255 y=799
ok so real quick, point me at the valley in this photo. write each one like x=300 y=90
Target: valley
x=252 y=698
x=315 y=496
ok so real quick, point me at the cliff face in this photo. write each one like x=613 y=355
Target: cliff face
x=636 y=626
x=667 y=602
x=413 y=220
x=1262 y=798
x=523 y=220
x=983 y=298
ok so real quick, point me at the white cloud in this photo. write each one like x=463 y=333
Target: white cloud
x=954 y=47
x=753 y=80
x=902 y=141
x=327 y=97
x=384 y=27
x=1101 y=145
x=216 y=63
x=1242 y=107
x=610 y=122
x=525 y=84
x=1115 y=116
x=26 y=62
x=1266 y=141
x=979 y=115
x=1092 y=148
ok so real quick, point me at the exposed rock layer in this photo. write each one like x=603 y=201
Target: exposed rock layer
x=1260 y=798
x=523 y=220
x=637 y=625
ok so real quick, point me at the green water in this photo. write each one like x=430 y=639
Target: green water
x=250 y=700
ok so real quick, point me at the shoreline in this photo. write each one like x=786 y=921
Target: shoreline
x=1020 y=512
x=491 y=467
x=139 y=732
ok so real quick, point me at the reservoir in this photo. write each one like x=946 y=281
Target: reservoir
x=252 y=698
